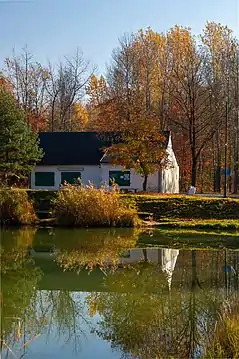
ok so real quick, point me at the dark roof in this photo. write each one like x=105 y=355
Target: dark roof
x=72 y=148
x=76 y=148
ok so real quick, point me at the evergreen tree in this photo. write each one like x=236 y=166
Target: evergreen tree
x=19 y=146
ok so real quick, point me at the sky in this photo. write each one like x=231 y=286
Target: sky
x=52 y=29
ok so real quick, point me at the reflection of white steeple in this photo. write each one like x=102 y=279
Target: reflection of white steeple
x=169 y=259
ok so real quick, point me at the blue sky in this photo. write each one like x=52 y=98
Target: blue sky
x=54 y=28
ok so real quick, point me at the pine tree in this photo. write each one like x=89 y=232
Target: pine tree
x=19 y=146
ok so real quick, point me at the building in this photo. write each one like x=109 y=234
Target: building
x=72 y=155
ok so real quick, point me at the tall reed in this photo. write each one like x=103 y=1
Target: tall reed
x=87 y=206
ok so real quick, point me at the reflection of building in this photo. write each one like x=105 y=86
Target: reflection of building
x=45 y=258
x=166 y=257
x=214 y=269
x=169 y=259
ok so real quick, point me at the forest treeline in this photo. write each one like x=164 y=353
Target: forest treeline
x=177 y=81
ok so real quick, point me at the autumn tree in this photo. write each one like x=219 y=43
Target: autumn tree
x=191 y=97
x=183 y=80
x=170 y=81
x=126 y=110
x=66 y=87
x=221 y=72
x=28 y=80
x=80 y=117
x=96 y=90
x=49 y=95
x=141 y=147
x=5 y=83
x=97 y=101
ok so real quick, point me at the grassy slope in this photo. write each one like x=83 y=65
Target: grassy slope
x=185 y=207
x=203 y=224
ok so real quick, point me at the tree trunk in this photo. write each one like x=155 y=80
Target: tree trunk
x=218 y=168
x=236 y=157
x=194 y=173
x=236 y=177
x=145 y=183
x=145 y=255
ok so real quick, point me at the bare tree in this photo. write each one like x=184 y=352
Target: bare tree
x=192 y=97
x=66 y=86
x=28 y=79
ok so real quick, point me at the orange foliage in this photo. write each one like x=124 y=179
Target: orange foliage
x=5 y=84
x=37 y=122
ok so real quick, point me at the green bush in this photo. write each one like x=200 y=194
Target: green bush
x=16 y=208
x=186 y=206
x=88 y=206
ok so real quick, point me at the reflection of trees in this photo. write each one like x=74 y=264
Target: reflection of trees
x=163 y=323
x=18 y=281
x=97 y=249
x=158 y=303
x=224 y=339
x=26 y=311
x=64 y=314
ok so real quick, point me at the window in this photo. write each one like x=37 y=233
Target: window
x=70 y=177
x=121 y=178
x=45 y=179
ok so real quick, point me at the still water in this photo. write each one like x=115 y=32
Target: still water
x=95 y=294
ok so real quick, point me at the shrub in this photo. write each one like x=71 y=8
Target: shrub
x=15 y=208
x=88 y=206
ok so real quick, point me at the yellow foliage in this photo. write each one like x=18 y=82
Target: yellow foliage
x=96 y=90
x=80 y=117
x=88 y=206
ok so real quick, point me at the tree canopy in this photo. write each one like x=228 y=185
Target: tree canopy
x=183 y=82
x=19 y=146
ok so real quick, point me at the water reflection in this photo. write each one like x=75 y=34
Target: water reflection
x=67 y=293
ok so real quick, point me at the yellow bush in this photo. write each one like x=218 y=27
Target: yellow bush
x=15 y=207
x=87 y=206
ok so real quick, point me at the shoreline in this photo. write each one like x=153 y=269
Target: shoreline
x=231 y=225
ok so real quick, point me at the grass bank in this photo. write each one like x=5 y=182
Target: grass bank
x=162 y=206
x=198 y=224
x=164 y=211
x=184 y=207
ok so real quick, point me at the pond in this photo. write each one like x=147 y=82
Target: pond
x=104 y=294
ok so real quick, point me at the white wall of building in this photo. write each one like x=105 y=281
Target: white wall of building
x=170 y=175
x=88 y=173
x=136 y=180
